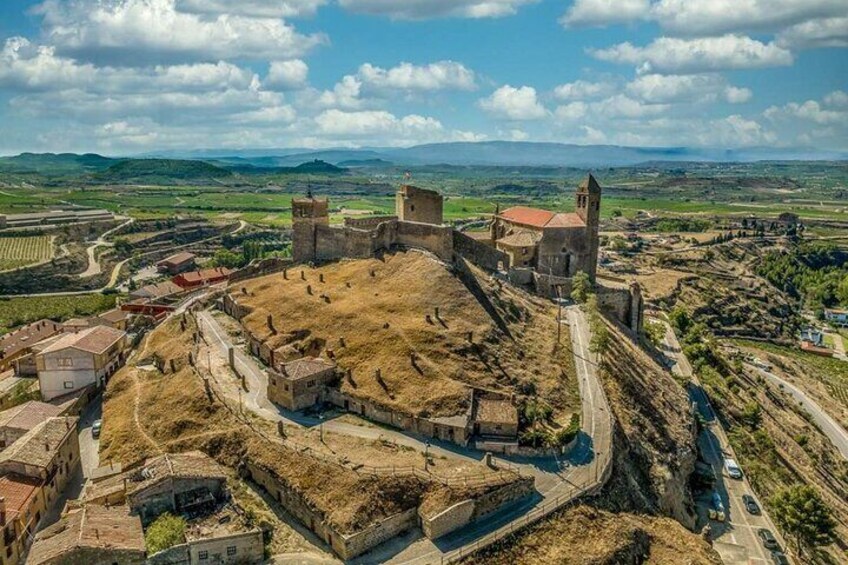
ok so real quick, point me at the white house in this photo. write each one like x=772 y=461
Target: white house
x=78 y=360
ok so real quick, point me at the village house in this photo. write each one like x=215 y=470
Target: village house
x=204 y=277
x=91 y=535
x=78 y=360
x=49 y=453
x=494 y=416
x=177 y=263
x=17 y=421
x=21 y=508
x=116 y=318
x=156 y=291
x=18 y=343
x=300 y=384
x=837 y=317
x=553 y=243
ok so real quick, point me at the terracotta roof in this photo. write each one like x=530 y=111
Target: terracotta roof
x=77 y=322
x=521 y=239
x=38 y=446
x=16 y=491
x=28 y=415
x=538 y=218
x=590 y=185
x=496 y=410
x=566 y=220
x=205 y=275
x=93 y=340
x=306 y=367
x=177 y=259
x=158 y=290
x=23 y=338
x=192 y=464
x=116 y=315
x=90 y=527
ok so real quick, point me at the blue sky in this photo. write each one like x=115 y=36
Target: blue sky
x=129 y=76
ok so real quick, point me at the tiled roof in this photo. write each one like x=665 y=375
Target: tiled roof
x=16 y=491
x=566 y=220
x=496 y=410
x=116 y=315
x=14 y=342
x=28 y=415
x=90 y=527
x=38 y=446
x=77 y=322
x=159 y=290
x=93 y=340
x=192 y=464
x=538 y=218
x=177 y=259
x=521 y=239
x=205 y=274
x=305 y=367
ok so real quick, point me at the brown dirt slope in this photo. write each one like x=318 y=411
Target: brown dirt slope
x=382 y=319
x=587 y=536
x=655 y=437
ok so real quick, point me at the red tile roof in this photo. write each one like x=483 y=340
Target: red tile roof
x=17 y=491
x=93 y=340
x=23 y=338
x=195 y=277
x=538 y=218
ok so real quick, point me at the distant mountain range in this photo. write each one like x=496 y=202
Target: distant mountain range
x=504 y=154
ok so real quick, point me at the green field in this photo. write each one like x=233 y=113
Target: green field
x=19 y=311
x=22 y=251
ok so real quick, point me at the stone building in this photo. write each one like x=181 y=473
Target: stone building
x=553 y=243
x=17 y=344
x=16 y=422
x=494 y=416
x=300 y=383
x=21 y=508
x=177 y=263
x=414 y=204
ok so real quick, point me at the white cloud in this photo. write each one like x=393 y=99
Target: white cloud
x=138 y=31
x=286 y=75
x=572 y=111
x=424 y=9
x=582 y=90
x=698 y=88
x=254 y=8
x=605 y=12
x=440 y=75
x=514 y=103
x=837 y=98
x=345 y=94
x=674 y=55
x=811 y=110
x=622 y=106
x=825 y=32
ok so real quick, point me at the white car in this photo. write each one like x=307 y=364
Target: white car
x=733 y=469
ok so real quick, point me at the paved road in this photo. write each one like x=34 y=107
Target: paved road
x=735 y=539
x=557 y=481
x=830 y=427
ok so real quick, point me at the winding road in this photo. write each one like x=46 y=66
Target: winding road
x=558 y=481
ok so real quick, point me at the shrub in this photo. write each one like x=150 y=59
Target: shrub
x=166 y=531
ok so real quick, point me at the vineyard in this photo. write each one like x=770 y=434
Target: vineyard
x=22 y=251
x=19 y=311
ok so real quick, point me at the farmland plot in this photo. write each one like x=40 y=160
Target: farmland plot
x=22 y=251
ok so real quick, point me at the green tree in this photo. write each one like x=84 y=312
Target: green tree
x=680 y=320
x=752 y=415
x=166 y=531
x=581 y=286
x=123 y=247
x=804 y=517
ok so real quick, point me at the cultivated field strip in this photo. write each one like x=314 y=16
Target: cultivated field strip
x=18 y=252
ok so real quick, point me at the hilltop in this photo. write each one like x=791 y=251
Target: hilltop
x=385 y=311
x=160 y=170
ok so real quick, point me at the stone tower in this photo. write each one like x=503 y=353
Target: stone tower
x=588 y=207
x=307 y=215
x=414 y=204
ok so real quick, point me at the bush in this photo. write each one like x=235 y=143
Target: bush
x=166 y=531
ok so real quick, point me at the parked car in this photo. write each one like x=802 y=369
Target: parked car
x=750 y=504
x=768 y=539
x=95 y=428
x=732 y=468
x=779 y=558
x=716 y=511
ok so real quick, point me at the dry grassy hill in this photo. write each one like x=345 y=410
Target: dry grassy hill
x=380 y=309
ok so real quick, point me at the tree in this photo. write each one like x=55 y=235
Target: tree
x=581 y=286
x=680 y=320
x=166 y=531
x=123 y=247
x=803 y=516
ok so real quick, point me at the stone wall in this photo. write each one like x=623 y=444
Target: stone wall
x=249 y=548
x=230 y=305
x=435 y=239
x=483 y=255
x=367 y=222
x=338 y=242
x=419 y=205
x=472 y=509
x=623 y=304
x=375 y=534
x=261 y=268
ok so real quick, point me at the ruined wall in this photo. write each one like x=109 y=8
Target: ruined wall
x=375 y=534
x=435 y=239
x=230 y=305
x=625 y=304
x=551 y=286
x=261 y=268
x=448 y=520
x=339 y=242
x=367 y=222
x=419 y=205
x=483 y=255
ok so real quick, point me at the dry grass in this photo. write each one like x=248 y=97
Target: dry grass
x=587 y=536
x=382 y=319
x=661 y=284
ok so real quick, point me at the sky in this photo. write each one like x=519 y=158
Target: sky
x=123 y=77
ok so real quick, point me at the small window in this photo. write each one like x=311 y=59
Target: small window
x=273 y=382
x=310 y=384
x=231 y=550
x=68 y=384
x=286 y=387
x=66 y=362
x=412 y=208
x=203 y=555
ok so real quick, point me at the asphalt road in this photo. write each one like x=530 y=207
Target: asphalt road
x=735 y=539
x=557 y=481
x=830 y=427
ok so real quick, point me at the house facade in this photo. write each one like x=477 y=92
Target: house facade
x=21 y=508
x=177 y=263
x=300 y=383
x=78 y=360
